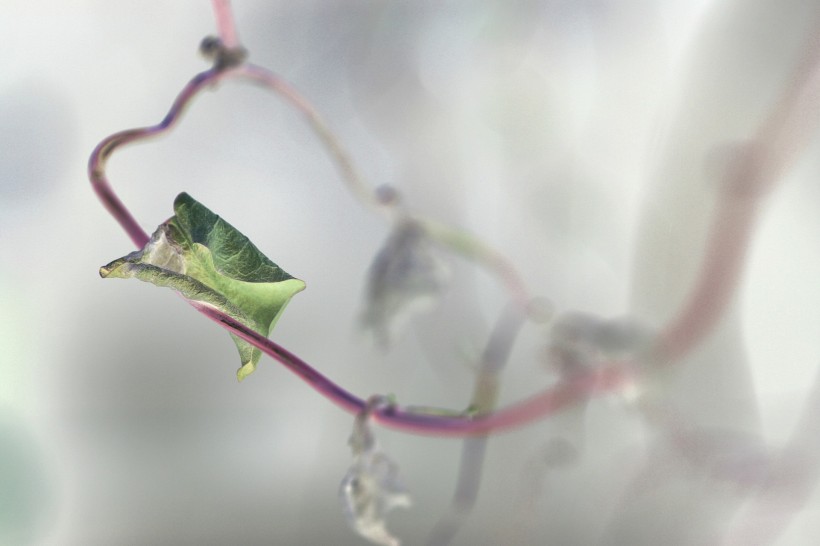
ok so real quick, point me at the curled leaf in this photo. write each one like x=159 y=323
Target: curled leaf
x=206 y=259
x=371 y=487
x=405 y=278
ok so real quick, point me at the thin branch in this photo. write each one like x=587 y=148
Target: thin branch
x=99 y=157
x=472 y=249
x=484 y=401
x=347 y=169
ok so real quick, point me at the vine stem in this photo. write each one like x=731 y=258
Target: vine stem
x=608 y=378
x=99 y=157
x=225 y=23
x=757 y=169
x=473 y=452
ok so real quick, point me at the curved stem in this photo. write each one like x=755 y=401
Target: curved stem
x=347 y=169
x=99 y=157
x=472 y=249
x=758 y=168
x=540 y=405
x=606 y=379
x=722 y=267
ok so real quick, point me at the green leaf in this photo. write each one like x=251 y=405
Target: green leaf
x=205 y=259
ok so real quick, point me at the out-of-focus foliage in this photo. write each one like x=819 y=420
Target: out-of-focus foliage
x=405 y=278
x=371 y=487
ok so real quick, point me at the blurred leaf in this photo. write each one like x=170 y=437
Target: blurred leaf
x=206 y=259
x=578 y=341
x=405 y=278
x=371 y=488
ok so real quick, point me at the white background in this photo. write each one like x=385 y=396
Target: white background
x=542 y=127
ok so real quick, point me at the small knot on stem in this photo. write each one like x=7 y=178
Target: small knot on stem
x=361 y=440
x=223 y=57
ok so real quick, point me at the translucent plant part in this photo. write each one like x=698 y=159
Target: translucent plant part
x=405 y=278
x=579 y=340
x=206 y=259
x=371 y=487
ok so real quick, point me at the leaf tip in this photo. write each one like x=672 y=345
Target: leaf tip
x=245 y=371
x=114 y=269
x=183 y=199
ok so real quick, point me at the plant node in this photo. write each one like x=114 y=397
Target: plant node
x=223 y=57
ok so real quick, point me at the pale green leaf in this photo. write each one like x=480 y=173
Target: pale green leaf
x=204 y=258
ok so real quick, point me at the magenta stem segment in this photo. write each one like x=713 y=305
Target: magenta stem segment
x=225 y=23
x=100 y=155
x=720 y=271
x=550 y=401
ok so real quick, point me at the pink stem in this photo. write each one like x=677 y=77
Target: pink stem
x=548 y=402
x=793 y=120
x=100 y=155
x=722 y=266
x=225 y=23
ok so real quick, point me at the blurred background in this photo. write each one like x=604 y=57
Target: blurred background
x=574 y=136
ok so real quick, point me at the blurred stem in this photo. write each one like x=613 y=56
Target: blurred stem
x=350 y=174
x=476 y=251
x=485 y=398
x=756 y=170
x=458 y=242
x=225 y=23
